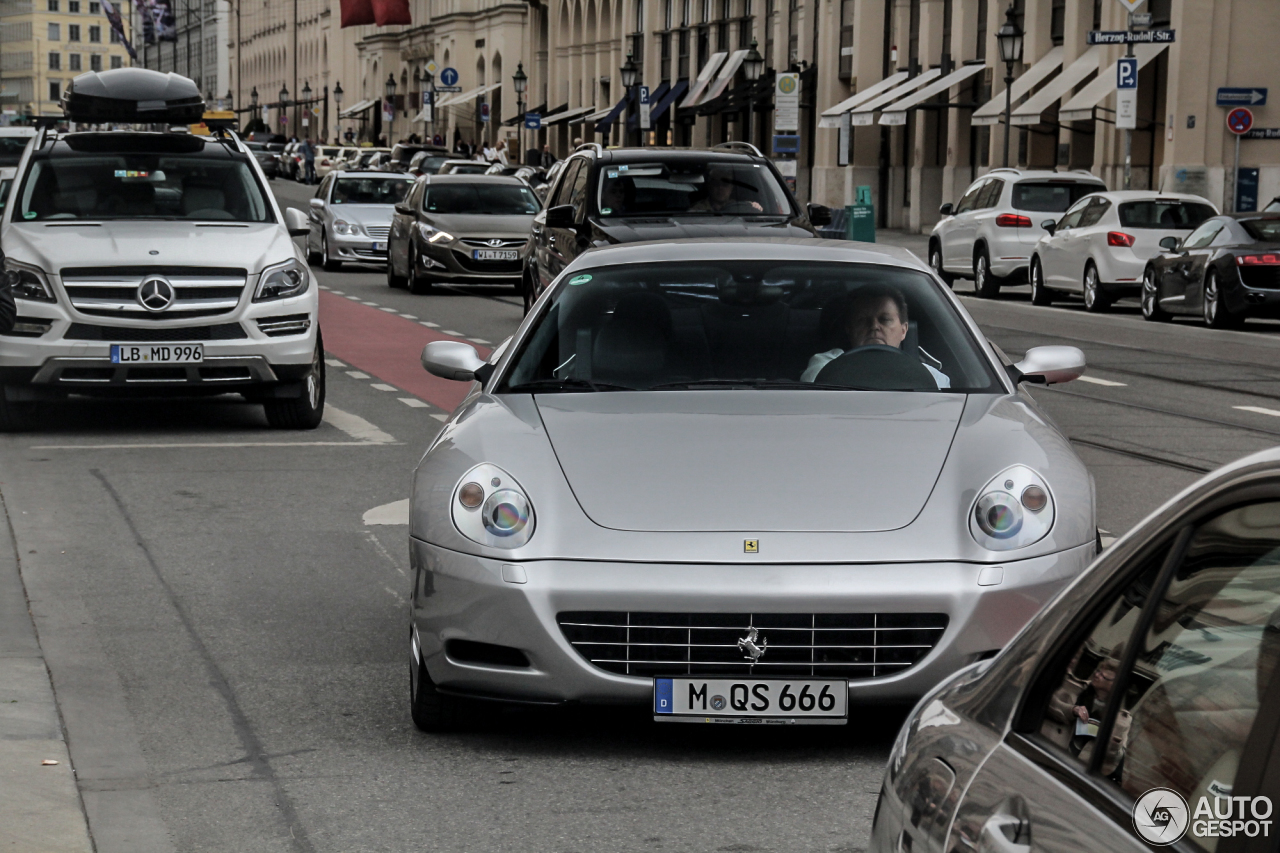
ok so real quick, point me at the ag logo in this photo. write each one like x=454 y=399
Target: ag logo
x=1160 y=817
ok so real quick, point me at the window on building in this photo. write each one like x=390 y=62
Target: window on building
x=55 y=61
x=846 y=40
x=73 y=62
x=664 y=55
x=639 y=16
x=113 y=36
x=1057 y=20
x=1097 y=14
x=793 y=31
x=686 y=13
x=55 y=32
x=53 y=5
x=95 y=62
x=706 y=11
x=95 y=34
x=745 y=27
x=722 y=36
x=73 y=32
x=667 y=13
x=55 y=90
x=770 y=7
x=117 y=62
x=682 y=67
x=95 y=8
x=73 y=6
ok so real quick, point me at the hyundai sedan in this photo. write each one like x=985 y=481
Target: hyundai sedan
x=737 y=480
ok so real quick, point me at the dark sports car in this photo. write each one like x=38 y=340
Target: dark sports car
x=1224 y=271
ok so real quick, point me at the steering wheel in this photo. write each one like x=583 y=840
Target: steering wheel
x=877 y=367
x=876 y=348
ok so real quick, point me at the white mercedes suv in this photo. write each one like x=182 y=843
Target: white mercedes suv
x=154 y=263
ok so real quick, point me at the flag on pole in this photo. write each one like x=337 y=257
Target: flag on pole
x=382 y=13
x=117 y=26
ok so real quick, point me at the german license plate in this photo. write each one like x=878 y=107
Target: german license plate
x=792 y=701
x=495 y=254
x=156 y=353
x=379 y=247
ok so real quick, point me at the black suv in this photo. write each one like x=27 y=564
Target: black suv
x=630 y=194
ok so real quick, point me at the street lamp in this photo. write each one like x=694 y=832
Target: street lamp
x=253 y=98
x=284 y=102
x=337 y=105
x=230 y=100
x=1009 y=39
x=391 y=98
x=429 y=85
x=306 y=101
x=629 y=74
x=752 y=67
x=521 y=82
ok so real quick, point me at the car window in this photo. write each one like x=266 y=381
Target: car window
x=1094 y=212
x=969 y=200
x=389 y=190
x=1272 y=206
x=1203 y=235
x=708 y=188
x=1169 y=215
x=720 y=325
x=481 y=199
x=1264 y=230
x=1052 y=196
x=565 y=188
x=1072 y=219
x=323 y=189
x=990 y=195
x=578 y=194
x=415 y=195
x=11 y=148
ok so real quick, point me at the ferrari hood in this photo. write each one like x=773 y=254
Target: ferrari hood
x=751 y=461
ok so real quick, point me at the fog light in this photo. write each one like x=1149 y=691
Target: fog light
x=471 y=495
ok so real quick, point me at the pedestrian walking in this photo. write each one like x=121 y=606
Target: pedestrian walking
x=548 y=159
x=309 y=158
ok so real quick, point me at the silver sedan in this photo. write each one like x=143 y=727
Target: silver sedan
x=738 y=481
x=351 y=217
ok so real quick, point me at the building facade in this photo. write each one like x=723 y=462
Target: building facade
x=44 y=44
x=200 y=51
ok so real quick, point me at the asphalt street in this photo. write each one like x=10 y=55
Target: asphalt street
x=222 y=606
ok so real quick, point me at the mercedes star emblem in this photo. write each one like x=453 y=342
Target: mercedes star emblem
x=155 y=294
x=749 y=648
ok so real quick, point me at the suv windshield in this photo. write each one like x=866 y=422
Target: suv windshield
x=388 y=190
x=708 y=188
x=96 y=182
x=1164 y=214
x=490 y=199
x=726 y=325
x=1051 y=196
x=11 y=148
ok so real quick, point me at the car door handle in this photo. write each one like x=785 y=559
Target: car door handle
x=1004 y=833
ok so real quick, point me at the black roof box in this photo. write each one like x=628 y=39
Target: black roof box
x=128 y=95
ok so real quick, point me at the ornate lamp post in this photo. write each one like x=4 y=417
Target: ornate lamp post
x=521 y=82
x=391 y=98
x=306 y=103
x=1009 y=38
x=284 y=103
x=752 y=68
x=337 y=105
x=630 y=74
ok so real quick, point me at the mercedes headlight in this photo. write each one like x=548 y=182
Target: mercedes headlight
x=27 y=282
x=350 y=229
x=490 y=507
x=1013 y=510
x=292 y=278
x=434 y=235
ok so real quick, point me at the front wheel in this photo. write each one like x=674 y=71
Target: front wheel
x=330 y=265
x=1096 y=299
x=1151 y=310
x=14 y=416
x=935 y=261
x=985 y=285
x=419 y=284
x=431 y=710
x=307 y=409
x=395 y=282
x=1040 y=295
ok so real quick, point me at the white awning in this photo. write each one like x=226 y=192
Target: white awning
x=865 y=114
x=568 y=114
x=356 y=109
x=725 y=77
x=469 y=95
x=992 y=112
x=1070 y=77
x=896 y=113
x=595 y=116
x=590 y=111
x=1080 y=108
x=831 y=117
x=704 y=79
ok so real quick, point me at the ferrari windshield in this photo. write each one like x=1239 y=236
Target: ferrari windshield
x=707 y=189
x=736 y=325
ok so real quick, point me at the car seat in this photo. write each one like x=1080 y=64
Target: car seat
x=633 y=345
x=203 y=199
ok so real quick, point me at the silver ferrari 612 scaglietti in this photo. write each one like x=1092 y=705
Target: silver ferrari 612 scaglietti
x=739 y=481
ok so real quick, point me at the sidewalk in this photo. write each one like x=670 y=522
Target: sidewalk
x=40 y=808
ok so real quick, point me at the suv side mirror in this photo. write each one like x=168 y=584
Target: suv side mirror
x=560 y=216
x=819 y=215
x=1049 y=225
x=455 y=360
x=295 y=222
x=947 y=209
x=1169 y=244
x=1050 y=365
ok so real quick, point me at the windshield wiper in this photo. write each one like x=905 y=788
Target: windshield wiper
x=571 y=383
x=759 y=384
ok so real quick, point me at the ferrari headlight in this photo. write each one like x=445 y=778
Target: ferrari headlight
x=350 y=229
x=27 y=282
x=292 y=278
x=488 y=506
x=1015 y=509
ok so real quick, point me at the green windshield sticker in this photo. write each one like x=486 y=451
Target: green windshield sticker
x=30 y=214
x=606 y=210
x=580 y=279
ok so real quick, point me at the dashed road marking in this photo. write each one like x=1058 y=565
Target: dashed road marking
x=388 y=310
x=409 y=316
x=335 y=292
x=353 y=298
x=413 y=402
x=357 y=374
x=478 y=340
x=1258 y=410
x=429 y=324
x=382 y=386
x=451 y=332
x=1093 y=380
x=441 y=418
x=374 y=304
x=333 y=362
x=356 y=426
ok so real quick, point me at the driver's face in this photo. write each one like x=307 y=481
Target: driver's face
x=721 y=187
x=873 y=323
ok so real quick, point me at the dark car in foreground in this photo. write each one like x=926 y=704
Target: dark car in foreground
x=1224 y=271
x=632 y=194
x=1136 y=702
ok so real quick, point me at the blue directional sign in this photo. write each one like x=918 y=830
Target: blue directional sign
x=533 y=121
x=1127 y=73
x=449 y=77
x=1248 y=96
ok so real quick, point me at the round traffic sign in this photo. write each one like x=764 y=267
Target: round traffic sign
x=449 y=77
x=1239 y=120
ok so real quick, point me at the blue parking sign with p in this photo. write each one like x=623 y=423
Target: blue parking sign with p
x=1127 y=73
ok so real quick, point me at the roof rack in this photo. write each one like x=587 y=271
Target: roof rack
x=595 y=147
x=738 y=145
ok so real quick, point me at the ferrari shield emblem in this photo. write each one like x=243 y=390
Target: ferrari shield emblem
x=751 y=546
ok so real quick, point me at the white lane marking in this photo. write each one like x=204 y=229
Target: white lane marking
x=357 y=374
x=478 y=340
x=374 y=304
x=409 y=316
x=335 y=292
x=382 y=386
x=396 y=512
x=1107 y=382
x=413 y=402
x=441 y=418
x=388 y=310
x=1258 y=410
x=322 y=287
x=429 y=324
x=333 y=362
x=353 y=298
x=451 y=332
x=373 y=540
x=356 y=426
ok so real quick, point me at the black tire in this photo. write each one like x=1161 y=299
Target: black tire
x=527 y=290
x=431 y=710
x=1040 y=295
x=314 y=258
x=1151 y=310
x=307 y=409
x=1096 y=300
x=419 y=284
x=395 y=282
x=329 y=264
x=14 y=416
x=935 y=261
x=985 y=284
x=1216 y=315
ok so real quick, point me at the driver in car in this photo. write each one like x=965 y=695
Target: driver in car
x=877 y=317
x=721 y=189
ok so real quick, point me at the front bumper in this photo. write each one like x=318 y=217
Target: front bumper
x=463 y=597
x=362 y=249
x=455 y=263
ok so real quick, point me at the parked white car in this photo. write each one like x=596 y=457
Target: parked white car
x=989 y=233
x=1099 y=248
